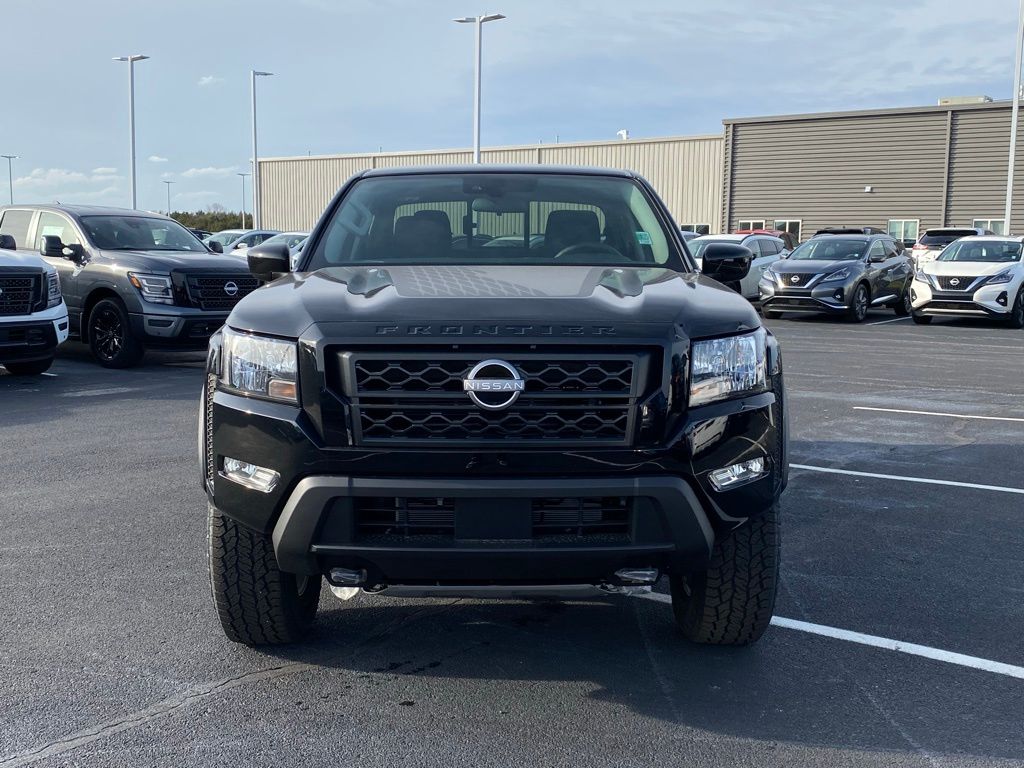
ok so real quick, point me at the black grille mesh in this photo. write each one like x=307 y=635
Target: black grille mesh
x=795 y=279
x=962 y=283
x=210 y=292
x=18 y=294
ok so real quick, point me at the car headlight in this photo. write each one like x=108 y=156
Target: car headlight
x=53 y=297
x=839 y=274
x=155 y=289
x=921 y=276
x=729 y=367
x=1003 y=277
x=261 y=366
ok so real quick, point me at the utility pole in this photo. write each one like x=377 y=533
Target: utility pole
x=479 y=22
x=10 y=174
x=131 y=114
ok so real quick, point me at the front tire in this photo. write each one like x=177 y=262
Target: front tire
x=922 y=319
x=732 y=602
x=858 y=309
x=110 y=336
x=770 y=314
x=1016 y=318
x=33 y=368
x=258 y=604
x=904 y=306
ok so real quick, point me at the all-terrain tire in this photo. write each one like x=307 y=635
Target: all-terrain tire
x=732 y=602
x=257 y=603
x=33 y=368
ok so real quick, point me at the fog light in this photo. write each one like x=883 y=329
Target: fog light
x=913 y=295
x=838 y=295
x=1002 y=299
x=251 y=476
x=738 y=474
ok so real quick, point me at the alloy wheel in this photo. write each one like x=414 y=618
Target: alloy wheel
x=108 y=333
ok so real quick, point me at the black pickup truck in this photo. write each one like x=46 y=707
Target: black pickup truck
x=494 y=380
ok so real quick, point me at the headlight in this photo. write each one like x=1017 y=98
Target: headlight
x=1003 y=277
x=257 y=365
x=155 y=289
x=921 y=276
x=839 y=274
x=53 y=290
x=730 y=367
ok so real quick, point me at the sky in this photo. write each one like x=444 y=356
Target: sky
x=359 y=75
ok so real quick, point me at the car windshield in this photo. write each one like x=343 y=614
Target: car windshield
x=944 y=236
x=451 y=218
x=830 y=249
x=291 y=239
x=982 y=250
x=224 y=238
x=139 y=233
x=698 y=246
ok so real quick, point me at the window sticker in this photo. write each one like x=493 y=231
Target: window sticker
x=644 y=238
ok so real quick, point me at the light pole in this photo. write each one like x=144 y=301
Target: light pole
x=479 y=21
x=1013 y=120
x=243 y=175
x=253 y=74
x=10 y=174
x=168 y=183
x=131 y=111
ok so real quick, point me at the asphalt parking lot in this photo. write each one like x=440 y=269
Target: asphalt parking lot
x=111 y=655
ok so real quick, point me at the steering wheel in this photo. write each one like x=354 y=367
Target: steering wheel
x=591 y=248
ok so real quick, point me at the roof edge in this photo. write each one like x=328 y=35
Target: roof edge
x=939 y=108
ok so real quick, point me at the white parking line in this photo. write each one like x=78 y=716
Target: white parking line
x=925 y=651
x=894 y=320
x=926 y=480
x=938 y=413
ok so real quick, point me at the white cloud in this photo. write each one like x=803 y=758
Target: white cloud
x=104 y=171
x=157 y=159
x=45 y=180
x=208 y=173
x=166 y=175
x=207 y=80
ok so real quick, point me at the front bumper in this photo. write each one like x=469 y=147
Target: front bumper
x=36 y=339
x=832 y=296
x=176 y=327
x=986 y=301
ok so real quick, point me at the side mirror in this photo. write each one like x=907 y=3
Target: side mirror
x=727 y=262
x=74 y=253
x=876 y=258
x=215 y=247
x=236 y=246
x=52 y=247
x=7 y=243
x=268 y=262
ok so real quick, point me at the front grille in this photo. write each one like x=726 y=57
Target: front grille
x=417 y=397
x=794 y=279
x=18 y=294
x=580 y=518
x=405 y=517
x=957 y=305
x=212 y=293
x=801 y=303
x=31 y=336
x=962 y=283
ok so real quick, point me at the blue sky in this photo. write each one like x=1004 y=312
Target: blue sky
x=355 y=75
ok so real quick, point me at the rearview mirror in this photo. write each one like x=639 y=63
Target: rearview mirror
x=215 y=247
x=727 y=262
x=7 y=243
x=51 y=246
x=268 y=262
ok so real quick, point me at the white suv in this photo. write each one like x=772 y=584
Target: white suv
x=973 y=276
x=33 y=316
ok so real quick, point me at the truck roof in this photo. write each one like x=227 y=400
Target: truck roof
x=408 y=170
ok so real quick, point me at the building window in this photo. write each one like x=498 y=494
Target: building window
x=903 y=229
x=700 y=229
x=751 y=224
x=994 y=225
x=788 y=225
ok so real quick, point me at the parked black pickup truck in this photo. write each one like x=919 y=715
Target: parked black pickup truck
x=413 y=412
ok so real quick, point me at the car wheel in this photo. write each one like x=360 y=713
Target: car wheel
x=922 y=319
x=1016 y=318
x=732 y=602
x=770 y=314
x=904 y=306
x=858 y=308
x=33 y=368
x=110 y=336
x=258 y=604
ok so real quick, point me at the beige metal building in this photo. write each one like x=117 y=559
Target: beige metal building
x=904 y=169
x=686 y=171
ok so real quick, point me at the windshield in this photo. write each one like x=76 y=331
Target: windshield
x=982 y=250
x=224 y=238
x=945 y=236
x=451 y=218
x=139 y=233
x=830 y=249
x=697 y=247
x=291 y=239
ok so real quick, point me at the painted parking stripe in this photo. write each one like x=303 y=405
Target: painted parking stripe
x=926 y=480
x=894 y=320
x=925 y=651
x=938 y=413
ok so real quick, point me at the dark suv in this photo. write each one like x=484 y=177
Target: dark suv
x=406 y=417
x=839 y=274
x=130 y=279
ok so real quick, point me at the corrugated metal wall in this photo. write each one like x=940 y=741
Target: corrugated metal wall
x=686 y=172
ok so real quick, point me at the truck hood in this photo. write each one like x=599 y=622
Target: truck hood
x=23 y=259
x=815 y=266
x=184 y=261
x=969 y=268
x=426 y=300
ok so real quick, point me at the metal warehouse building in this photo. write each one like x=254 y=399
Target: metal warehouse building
x=905 y=169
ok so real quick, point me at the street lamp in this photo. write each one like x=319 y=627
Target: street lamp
x=168 y=183
x=1013 y=120
x=131 y=110
x=479 y=21
x=243 y=175
x=253 y=74
x=10 y=174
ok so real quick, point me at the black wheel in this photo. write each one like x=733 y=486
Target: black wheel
x=110 y=336
x=732 y=602
x=858 y=308
x=33 y=368
x=904 y=306
x=922 y=319
x=258 y=604
x=1016 y=318
x=770 y=314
